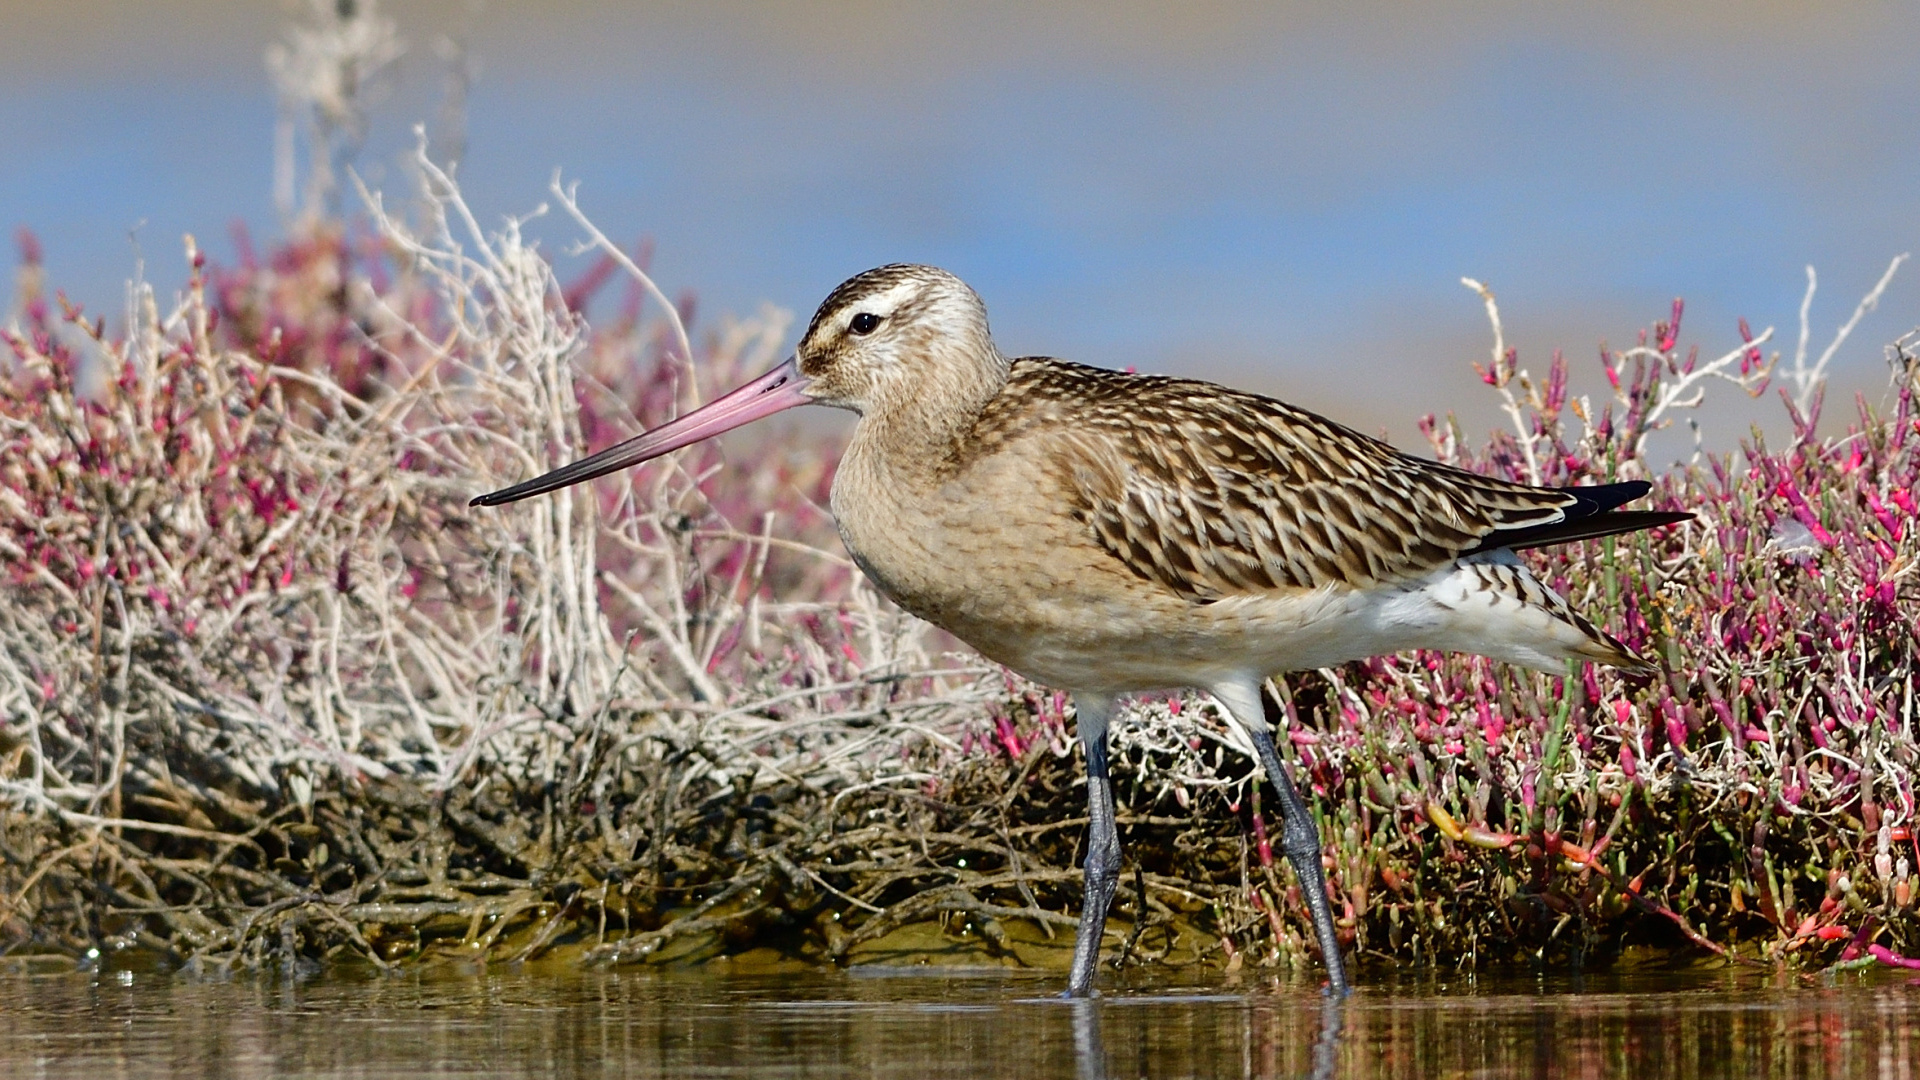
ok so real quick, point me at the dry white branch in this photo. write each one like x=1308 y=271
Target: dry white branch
x=1807 y=380
x=327 y=74
x=1500 y=374
x=1687 y=390
x=569 y=201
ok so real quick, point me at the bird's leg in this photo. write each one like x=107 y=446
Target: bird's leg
x=1103 y=843
x=1300 y=840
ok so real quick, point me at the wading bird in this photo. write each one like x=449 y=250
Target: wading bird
x=1106 y=533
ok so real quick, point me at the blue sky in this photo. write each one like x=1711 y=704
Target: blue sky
x=1282 y=196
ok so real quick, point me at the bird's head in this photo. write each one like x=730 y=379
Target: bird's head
x=904 y=341
x=897 y=338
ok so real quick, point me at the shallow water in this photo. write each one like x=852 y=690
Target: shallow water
x=891 y=1023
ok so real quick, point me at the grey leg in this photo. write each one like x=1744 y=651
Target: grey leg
x=1103 y=843
x=1258 y=715
x=1300 y=840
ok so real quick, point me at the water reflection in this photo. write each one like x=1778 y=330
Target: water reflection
x=870 y=1024
x=1089 y=1052
x=1090 y=1055
x=1324 y=1058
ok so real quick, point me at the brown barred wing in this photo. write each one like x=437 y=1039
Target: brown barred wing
x=1213 y=492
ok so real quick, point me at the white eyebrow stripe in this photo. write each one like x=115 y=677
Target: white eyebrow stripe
x=883 y=304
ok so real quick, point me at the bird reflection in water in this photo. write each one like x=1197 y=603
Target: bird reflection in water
x=1090 y=1054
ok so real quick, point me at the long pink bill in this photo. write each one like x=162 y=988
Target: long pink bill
x=782 y=388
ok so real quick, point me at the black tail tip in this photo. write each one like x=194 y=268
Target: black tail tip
x=1600 y=498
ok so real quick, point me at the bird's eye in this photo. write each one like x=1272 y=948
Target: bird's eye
x=864 y=323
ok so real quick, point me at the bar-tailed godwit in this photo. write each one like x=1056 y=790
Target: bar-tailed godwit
x=1107 y=533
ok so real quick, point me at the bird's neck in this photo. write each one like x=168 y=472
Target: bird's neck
x=924 y=427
